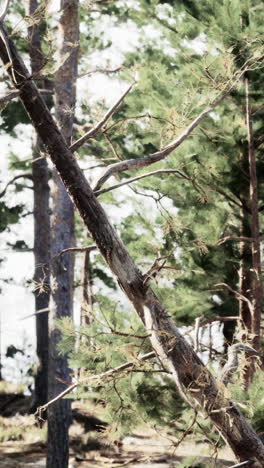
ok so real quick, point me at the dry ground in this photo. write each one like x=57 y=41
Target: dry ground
x=23 y=445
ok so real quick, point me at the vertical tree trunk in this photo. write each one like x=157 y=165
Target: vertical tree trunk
x=245 y=269
x=59 y=416
x=41 y=233
x=257 y=289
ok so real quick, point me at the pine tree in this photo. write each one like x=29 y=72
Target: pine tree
x=215 y=203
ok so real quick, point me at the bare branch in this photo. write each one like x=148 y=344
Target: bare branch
x=225 y=195
x=159 y=155
x=76 y=249
x=40 y=311
x=134 y=179
x=89 y=379
x=107 y=71
x=238 y=296
x=20 y=176
x=236 y=239
x=245 y=463
x=94 y=131
x=108 y=139
x=15 y=93
x=207 y=321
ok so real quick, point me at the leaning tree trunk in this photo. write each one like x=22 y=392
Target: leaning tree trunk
x=59 y=416
x=175 y=353
x=40 y=174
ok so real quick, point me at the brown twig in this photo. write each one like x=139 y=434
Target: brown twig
x=76 y=249
x=108 y=139
x=238 y=296
x=207 y=321
x=95 y=130
x=20 y=176
x=236 y=239
x=134 y=179
x=72 y=387
x=102 y=70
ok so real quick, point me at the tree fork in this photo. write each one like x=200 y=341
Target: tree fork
x=175 y=353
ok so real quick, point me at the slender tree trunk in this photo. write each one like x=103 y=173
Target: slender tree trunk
x=40 y=176
x=59 y=416
x=245 y=269
x=176 y=354
x=257 y=289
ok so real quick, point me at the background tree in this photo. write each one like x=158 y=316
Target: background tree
x=40 y=175
x=59 y=417
x=215 y=159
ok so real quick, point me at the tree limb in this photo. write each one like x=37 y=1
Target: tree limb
x=159 y=155
x=89 y=379
x=238 y=295
x=134 y=179
x=20 y=176
x=76 y=249
x=102 y=70
x=236 y=239
x=15 y=93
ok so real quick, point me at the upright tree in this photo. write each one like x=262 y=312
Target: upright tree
x=62 y=271
x=40 y=174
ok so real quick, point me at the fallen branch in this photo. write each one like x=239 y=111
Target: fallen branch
x=95 y=130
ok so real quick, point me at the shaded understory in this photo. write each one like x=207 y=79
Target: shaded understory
x=22 y=444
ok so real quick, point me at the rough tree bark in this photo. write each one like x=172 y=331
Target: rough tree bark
x=245 y=269
x=257 y=288
x=175 y=353
x=62 y=267
x=40 y=175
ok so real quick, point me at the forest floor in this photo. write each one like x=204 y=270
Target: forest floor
x=22 y=444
